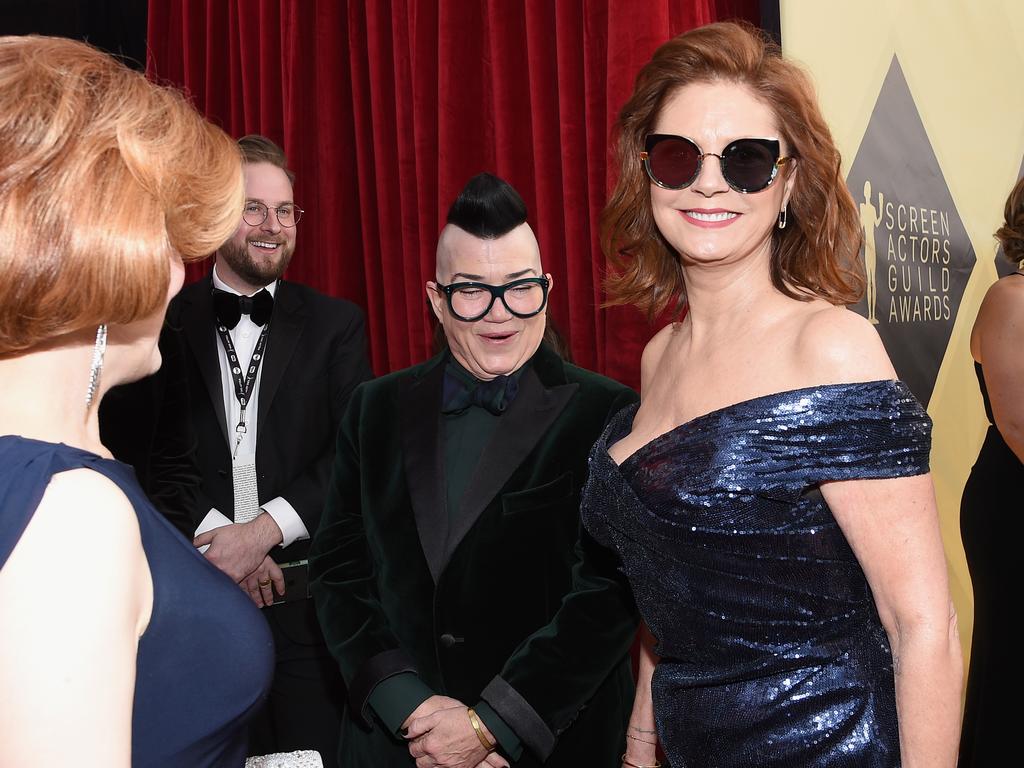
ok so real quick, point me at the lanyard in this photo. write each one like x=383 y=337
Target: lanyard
x=243 y=387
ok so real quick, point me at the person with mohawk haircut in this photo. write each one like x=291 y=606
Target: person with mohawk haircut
x=472 y=619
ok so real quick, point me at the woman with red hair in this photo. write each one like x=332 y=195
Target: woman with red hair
x=120 y=643
x=770 y=498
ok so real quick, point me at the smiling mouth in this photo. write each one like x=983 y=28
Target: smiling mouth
x=266 y=245
x=713 y=217
x=498 y=337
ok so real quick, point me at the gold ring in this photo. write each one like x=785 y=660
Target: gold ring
x=264 y=583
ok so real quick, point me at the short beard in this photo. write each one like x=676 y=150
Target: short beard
x=246 y=268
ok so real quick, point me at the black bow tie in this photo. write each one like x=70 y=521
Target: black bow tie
x=495 y=395
x=229 y=307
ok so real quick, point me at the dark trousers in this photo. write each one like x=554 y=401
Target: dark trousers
x=307 y=697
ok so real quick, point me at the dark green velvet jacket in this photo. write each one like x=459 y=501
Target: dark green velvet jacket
x=513 y=604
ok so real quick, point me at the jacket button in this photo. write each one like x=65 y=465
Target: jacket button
x=448 y=640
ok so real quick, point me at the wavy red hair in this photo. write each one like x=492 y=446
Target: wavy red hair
x=817 y=254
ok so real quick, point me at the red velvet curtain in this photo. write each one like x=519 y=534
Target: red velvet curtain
x=385 y=110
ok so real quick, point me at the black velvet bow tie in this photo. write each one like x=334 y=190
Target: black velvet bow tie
x=230 y=307
x=495 y=395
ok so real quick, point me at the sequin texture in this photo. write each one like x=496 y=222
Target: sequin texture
x=772 y=652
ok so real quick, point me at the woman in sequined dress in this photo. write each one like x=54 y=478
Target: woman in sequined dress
x=770 y=498
x=993 y=497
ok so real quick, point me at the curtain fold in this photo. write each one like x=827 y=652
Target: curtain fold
x=385 y=110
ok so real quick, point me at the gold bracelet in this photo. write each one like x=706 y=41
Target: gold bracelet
x=475 y=722
x=626 y=761
x=642 y=741
x=641 y=730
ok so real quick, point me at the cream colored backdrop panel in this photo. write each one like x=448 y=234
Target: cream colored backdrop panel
x=963 y=64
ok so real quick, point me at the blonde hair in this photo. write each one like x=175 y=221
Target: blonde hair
x=103 y=177
x=260 y=149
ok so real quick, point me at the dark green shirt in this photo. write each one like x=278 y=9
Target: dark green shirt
x=465 y=435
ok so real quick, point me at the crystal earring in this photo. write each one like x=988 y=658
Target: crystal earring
x=97 y=364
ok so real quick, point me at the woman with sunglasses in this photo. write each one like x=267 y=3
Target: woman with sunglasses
x=770 y=497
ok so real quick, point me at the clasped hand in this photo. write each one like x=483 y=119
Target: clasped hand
x=441 y=736
x=238 y=549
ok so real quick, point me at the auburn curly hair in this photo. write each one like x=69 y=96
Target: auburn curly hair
x=816 y=255
x=1011 y=234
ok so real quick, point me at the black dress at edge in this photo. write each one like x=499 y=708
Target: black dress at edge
x=993 y=498
x=772 y=651
x=205 y=659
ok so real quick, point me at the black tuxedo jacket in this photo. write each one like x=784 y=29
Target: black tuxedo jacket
x=513 y=602
x=315 y=357
x=147 y=424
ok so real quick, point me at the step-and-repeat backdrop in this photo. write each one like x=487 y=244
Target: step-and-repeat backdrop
x=924 y=99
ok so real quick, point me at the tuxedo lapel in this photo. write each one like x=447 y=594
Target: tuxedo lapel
x=520 y=429
x=286 y=325
x=199 y=325
x=423 y=453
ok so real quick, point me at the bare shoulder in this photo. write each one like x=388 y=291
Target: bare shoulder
x=836 y=345
x=87 y=498
x=83 y=513
x=85 y=527
x=999 y=324
x=655 y=351
x=1004 y=298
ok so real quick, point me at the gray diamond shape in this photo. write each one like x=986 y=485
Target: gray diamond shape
x=914 y=237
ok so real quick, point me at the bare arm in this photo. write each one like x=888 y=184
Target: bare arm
x=892 y=526
x=995 y=342
x=72 y=621
x=642 y=736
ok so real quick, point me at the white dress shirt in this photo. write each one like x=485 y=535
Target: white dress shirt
x=244 y=336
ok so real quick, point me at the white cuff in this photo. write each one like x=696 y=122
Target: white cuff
x=213 y=519
x=287 y=519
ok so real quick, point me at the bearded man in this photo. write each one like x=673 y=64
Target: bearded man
x=270 y=367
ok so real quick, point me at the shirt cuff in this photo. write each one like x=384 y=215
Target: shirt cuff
x=507 y=739
x=287 y=519
x=394 y=698
x=213 y=519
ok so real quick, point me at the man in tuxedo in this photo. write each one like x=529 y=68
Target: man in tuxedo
x=271 y=365
x=450 y=568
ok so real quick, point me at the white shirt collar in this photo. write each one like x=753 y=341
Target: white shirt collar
x=218 y=283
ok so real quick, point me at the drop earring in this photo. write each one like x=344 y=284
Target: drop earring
x=97 y=364
x=782 y=218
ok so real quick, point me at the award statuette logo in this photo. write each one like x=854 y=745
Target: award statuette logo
x=917 y=255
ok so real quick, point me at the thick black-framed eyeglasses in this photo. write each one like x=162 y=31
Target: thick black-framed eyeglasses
x=471 y=301
x=255 y=213
x=748 y=165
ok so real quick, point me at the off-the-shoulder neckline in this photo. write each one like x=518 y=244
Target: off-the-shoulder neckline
x=632 y=409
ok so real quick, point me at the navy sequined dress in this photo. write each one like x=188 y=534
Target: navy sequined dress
x=772 y=652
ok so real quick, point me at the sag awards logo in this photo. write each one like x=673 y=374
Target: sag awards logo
x=917 y=256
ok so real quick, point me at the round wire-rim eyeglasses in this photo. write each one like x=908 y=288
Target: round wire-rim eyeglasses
x=255 y=213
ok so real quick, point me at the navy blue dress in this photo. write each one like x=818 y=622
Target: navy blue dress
x=772 y=652
x=205 y=660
